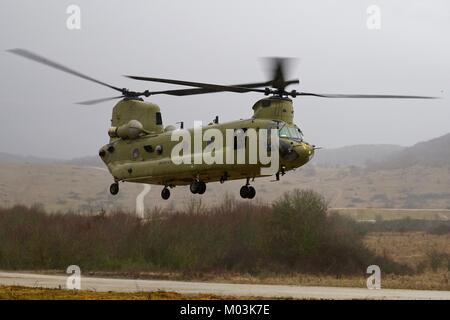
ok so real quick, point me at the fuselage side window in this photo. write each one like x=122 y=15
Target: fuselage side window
x=158 y=118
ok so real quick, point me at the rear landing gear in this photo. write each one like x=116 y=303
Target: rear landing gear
x=114 y=188
x=247 y=191
x=165 y=193
x=198 y=187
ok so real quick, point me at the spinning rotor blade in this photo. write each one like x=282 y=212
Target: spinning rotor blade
x=203 y=88
x=276 y=86
x=91 y=102
x=370 y=96
x=278 y=82
x=178 y=92
x=40 y=59
x=189 y=92
x=195 y=91
x=278 y=68
x=208 y=86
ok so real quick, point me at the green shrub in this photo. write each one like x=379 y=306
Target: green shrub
x=295 y=234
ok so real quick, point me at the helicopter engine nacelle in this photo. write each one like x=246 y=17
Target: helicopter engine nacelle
x=131 y=130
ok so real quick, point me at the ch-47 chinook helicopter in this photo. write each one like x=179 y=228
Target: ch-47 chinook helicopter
x=140 y=146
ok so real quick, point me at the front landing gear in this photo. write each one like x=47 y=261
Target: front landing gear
x=165 y=193
x=114 y=188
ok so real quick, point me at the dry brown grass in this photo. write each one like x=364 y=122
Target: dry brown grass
x=414 y=249
x=410 y=248
x=428 y=280
x=68 y=187
x=394 y=214
x=24 y=293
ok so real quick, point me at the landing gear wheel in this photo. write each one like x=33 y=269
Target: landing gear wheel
x=194 y=187
x=198 y=187
x=114 y=188
x=244 y=192
x=247 y=192
x=165 y=193
x=251 y=192
x=202 y=188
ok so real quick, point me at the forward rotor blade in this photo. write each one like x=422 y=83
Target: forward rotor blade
x=42 y=60
x=91 y=102
x=209 y=86
x=370 y=96
x=195 y=91
x=289 y=82
x=279 y=67
x=186 y=92
x=253 y=85
x=278 y=73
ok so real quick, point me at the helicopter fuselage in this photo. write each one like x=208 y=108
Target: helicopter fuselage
x=148 y=158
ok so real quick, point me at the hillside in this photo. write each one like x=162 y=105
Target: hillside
x=432 y=153
x=12 y=158
x=87 y=161
x=357 y=155
x=62 y=186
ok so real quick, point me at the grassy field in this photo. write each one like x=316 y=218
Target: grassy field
x=67 y=187
x=374 y=214
x=426 y=253
x=23 y=293
x=418 y=250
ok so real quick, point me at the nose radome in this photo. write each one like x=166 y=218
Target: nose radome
x=304 y=150
x=310 y=149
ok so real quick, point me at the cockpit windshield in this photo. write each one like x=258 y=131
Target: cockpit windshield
x=293 y=133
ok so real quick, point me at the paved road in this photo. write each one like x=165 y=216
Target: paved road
x=269 y=291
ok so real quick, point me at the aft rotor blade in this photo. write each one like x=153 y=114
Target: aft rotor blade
x=179 y=92
x=364 y=96
x=42 y=60
x=91 y=102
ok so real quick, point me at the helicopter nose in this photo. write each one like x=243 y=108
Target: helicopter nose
x=310 y=150
x=287 y=151
x=302 y=152
x=305 y=151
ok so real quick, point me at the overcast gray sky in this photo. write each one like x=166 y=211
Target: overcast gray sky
x=221 y=42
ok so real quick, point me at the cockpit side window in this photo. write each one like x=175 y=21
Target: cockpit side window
x=291 y=133
x=284 y=132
